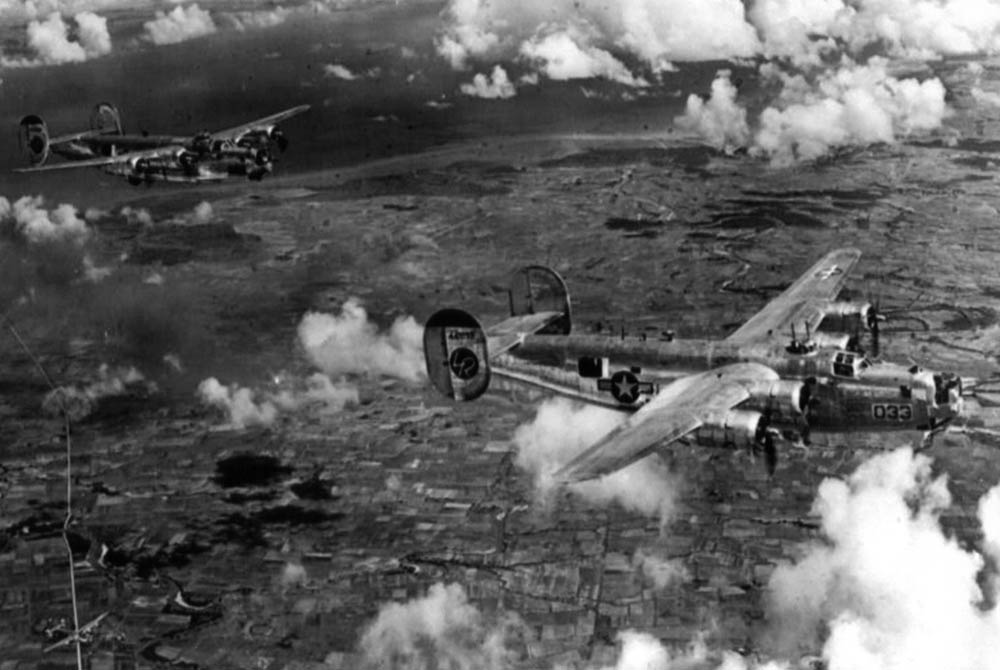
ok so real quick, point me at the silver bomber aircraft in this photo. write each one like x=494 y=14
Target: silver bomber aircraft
x=143 y=159
x=746 y=391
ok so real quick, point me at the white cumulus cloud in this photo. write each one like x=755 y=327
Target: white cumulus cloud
x=29 y=219
x=339 y=71
x=566 y=55
x=439 y=630
x=348 y=343
x=720 y=120
x=50 y=42
x=562 y=429
x=179 y=25
x=492 y=86
x=887 y=588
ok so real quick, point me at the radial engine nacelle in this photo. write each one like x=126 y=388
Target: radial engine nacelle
x=741 y=429
x=839 y=341
x=863 y=312
x=734 y=429
x=270 y=133
x=782 y=399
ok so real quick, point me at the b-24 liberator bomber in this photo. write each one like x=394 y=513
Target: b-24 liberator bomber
x=143 y=159
x=750 y=390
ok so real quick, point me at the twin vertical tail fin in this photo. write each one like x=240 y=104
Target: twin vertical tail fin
x=105 y=119
x=456 y=354
x=535 y=289
x=33 y=136
x=455 y=345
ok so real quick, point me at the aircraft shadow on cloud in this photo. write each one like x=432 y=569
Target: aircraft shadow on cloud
x=245 y=150
x=747 y=391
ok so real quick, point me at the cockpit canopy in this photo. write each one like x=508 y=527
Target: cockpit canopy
x=849 y=364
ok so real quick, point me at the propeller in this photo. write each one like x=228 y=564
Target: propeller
x=280 y=139
x=770 y=455
x=764 y=443
x=873 y=319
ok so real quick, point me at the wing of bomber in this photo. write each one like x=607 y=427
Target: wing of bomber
x=678 y=409
x=260 y=125
x=107 y=160
x=801 y=304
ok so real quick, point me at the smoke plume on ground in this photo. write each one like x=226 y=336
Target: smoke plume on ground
x=440 y=630
x=80 y=401
x=245 y=407
x=348 y=343
x=562 y=429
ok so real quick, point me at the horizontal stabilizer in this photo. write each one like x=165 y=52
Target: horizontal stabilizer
x=455 y=352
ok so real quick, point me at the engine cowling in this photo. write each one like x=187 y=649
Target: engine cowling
x=840 y=341
x=259 y=136
x=863 y=313
x=140 y=166
x=741 y=429
x=186 y=159
x=782 y=399
x=734 y=429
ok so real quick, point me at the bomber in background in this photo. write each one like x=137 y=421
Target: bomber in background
x=749 y=390
x=245 y=150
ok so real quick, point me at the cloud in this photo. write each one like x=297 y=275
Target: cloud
x=255 y=19
x=93 y=34
x=339 y=71
x=348 y=343
x=655 y=32
x=94 y=273
x=238 y=403
x=27 y=218
x=848 y=105
x=136 y=215
x=440 y=630
x=202 y=212
x=496 y=85
x=720 y=121
x=661 y=571
x=80 y=401
x=246 y=407
x=562 y=429
x=50 y=41
x=886 y=587
x=566 y=55
x=179 y=25
x=20 y=12
x=293 y=574
x=852 y=105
